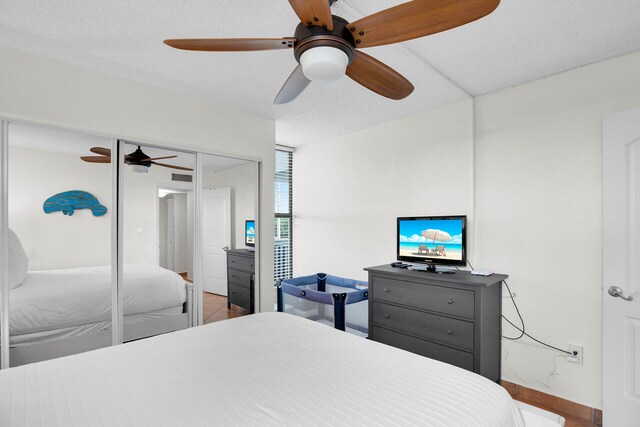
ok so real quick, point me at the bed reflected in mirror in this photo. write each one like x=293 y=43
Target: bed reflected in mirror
x=60 y=213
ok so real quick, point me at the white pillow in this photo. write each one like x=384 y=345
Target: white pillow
x=18 y=261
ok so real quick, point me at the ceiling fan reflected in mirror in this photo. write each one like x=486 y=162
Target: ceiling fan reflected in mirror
x=138 y=161
x=326 y=46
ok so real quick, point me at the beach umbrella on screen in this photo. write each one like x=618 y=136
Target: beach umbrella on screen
x=437 y=235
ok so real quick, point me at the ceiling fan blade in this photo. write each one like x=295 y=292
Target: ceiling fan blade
x=172 y=166
x=160 y=158
x=294 y=86
x=231 y=45
x=313 y=12
x=96 y=159
x=378 y=77
x=100 y=150
x=417 y=18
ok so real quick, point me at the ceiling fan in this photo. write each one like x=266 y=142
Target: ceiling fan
x=325 y=46
x=138 y=161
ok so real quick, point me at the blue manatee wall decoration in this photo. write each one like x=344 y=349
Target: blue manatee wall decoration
x=69 y=201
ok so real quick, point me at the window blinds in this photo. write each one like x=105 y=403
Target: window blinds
x=283 y=262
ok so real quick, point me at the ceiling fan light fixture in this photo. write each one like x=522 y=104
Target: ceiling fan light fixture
x=139 y=168
x=324 y=63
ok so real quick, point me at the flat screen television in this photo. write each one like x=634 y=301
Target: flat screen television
x=250 y=233
x=432 y=240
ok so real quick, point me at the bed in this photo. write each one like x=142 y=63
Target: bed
x=59 y=312
x=262 y=369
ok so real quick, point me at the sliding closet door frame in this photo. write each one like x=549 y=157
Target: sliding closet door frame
x=117 y=306
x=257 y=206
x=4 y=241
x=197 y=243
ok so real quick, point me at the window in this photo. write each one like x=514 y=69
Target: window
x=282 y=225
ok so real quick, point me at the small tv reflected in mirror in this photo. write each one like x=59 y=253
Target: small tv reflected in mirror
x=250 y=233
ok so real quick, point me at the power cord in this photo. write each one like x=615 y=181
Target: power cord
x=522 y=330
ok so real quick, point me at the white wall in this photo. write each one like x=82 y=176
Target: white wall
x=54 y=240
x=349 y=190
x=42 y=90
x=539 y=214
x=536 y=179
x=241 y=179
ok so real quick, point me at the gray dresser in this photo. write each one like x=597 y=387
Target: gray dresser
x=454 y=318
x=240 y=278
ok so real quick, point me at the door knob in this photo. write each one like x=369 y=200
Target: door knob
x=615 y=291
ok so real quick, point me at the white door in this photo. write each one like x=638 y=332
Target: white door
x=216 y=226
x=170 y=234
x=621 y=257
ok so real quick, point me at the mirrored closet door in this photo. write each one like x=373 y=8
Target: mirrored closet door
x=158 y=239
x=229 y=230
x=59 y=216
x=110 y=241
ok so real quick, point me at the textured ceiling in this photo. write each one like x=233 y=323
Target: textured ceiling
x=522 y=40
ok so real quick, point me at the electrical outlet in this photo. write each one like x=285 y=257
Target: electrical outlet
x=577 y=353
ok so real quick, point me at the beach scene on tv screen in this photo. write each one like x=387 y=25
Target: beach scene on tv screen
x=433 y=239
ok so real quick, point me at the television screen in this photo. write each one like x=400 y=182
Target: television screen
x=250 y=232
x=434 y=240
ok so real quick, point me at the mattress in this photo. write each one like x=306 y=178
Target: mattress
x=89 y=328
x=61 y=299
x=263 y=369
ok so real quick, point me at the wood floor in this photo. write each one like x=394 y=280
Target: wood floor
x=570 y=420
x=215 y=308
x=576 y=415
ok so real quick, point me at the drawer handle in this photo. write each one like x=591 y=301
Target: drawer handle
x=449 y=301
x=233 y=293
x=386 y=316
x=386 y=290
x=449 y=331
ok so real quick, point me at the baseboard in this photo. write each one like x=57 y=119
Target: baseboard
x=553 y=403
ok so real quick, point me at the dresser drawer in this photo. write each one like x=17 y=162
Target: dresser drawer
x=435 y=351
x=442 y=329
x=239 y=295
x=240 y=263
x=428 y=297
x=241 y=278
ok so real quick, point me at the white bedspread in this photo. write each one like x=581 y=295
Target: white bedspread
x=58 y=299
x=264 y=369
